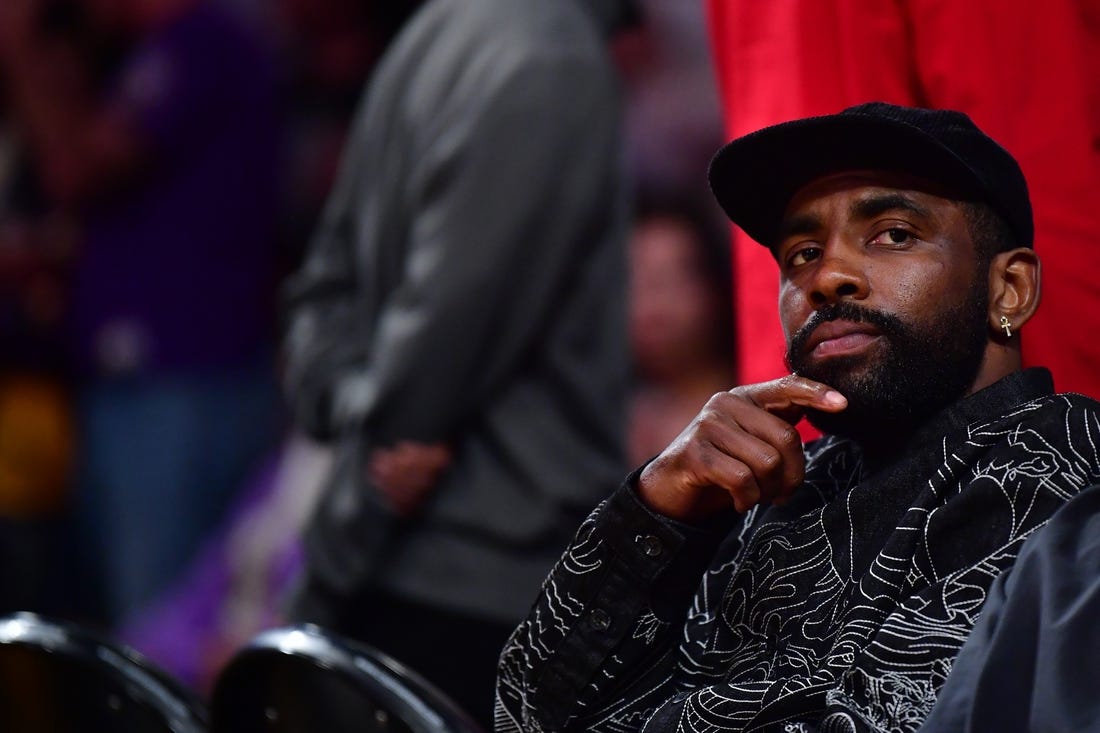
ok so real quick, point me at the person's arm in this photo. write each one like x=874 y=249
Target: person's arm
x=508 y=190
x=606 y=624
x=1030 y=664
x=609 y=614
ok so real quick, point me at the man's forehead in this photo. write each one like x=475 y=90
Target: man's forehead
x=873 y=182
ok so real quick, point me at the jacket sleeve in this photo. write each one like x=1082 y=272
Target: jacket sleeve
x=324 y=314
x=607 y=617
x=507 y=189
x=1030 y=664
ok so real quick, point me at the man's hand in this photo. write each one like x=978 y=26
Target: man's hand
x=407 y=472
x=741 y=450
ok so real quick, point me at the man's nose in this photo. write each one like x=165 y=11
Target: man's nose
x=839 y=276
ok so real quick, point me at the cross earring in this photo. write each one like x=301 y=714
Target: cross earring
x=1007 y=326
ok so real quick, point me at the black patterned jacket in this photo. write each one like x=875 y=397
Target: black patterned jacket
x=841 y=611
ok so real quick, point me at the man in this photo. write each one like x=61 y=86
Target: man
x=742 y=581
x=459 y=328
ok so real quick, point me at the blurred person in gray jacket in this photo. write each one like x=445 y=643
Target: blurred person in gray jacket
x=458 y=327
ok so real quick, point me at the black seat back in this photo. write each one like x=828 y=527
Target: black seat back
x=302 y=679
x=58 y=677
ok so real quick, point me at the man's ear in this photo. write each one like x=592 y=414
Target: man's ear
x=1014 y=288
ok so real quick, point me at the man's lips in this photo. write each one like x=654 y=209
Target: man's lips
x=841 y=337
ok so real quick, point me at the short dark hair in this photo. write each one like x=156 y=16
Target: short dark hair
x=989 y=231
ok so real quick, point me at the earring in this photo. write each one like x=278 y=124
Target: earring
x=1007 y=326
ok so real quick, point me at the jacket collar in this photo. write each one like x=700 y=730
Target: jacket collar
x=997 y=399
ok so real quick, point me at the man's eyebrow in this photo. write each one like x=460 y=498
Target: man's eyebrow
x=879 y=204
x=867 y=207
x=798 y=224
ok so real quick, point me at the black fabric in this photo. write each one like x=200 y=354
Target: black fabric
x=841 y=611
x=457 y=653
x=1031 y=663
x=755 y=176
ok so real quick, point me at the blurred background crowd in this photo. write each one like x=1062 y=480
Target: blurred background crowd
x=164 y=164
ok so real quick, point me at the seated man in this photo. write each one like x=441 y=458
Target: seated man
x=743 y=581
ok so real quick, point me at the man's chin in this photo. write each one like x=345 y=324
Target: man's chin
x=874 y=405
x=843 y=373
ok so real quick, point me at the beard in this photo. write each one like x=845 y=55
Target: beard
x=918 y=370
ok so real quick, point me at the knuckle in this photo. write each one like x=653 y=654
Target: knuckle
x=742 y=476
x=677 y=459
x=789 y=437
x=719 y=402
x=666 y=461
x=770 y=460
x=714 y=413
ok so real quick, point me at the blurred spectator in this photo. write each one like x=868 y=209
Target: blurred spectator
x=169 y=162
x=458 y=327
x=327 y=49
x=36 y=456
x=680 y=319
x=37 y=443
x=237 y=582
x=673 y=121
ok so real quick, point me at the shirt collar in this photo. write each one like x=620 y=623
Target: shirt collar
x=996 y=399
x=984 y=405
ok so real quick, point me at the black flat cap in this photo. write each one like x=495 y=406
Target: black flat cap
x=754 y=177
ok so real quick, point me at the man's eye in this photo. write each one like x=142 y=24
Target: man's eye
x=804 y=255
x=893 y=235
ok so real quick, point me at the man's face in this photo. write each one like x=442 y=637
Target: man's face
x=882 y=297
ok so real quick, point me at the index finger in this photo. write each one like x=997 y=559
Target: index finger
x=788 y=396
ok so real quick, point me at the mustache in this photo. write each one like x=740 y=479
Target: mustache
x=889 y=325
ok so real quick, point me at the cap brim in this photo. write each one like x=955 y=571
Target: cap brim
x=754 y=177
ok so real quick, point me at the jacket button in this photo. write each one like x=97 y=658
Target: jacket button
x=650 y=545
x=599 y=619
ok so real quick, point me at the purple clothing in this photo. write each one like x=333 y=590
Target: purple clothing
x=184 y=630
x=177 y=267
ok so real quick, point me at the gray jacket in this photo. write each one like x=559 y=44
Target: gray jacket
x=467 y=284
